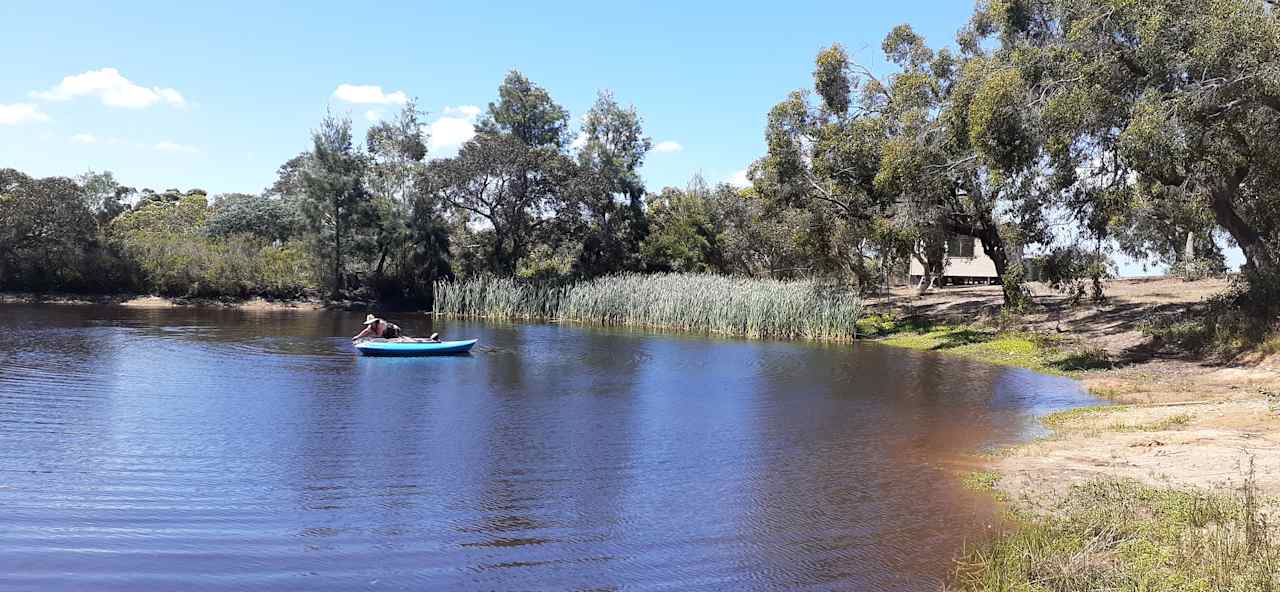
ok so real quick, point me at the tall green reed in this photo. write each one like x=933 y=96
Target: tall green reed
x=699 y=303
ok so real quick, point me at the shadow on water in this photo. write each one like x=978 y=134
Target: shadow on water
x=221 y=449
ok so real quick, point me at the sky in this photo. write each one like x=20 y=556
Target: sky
x=216 y=95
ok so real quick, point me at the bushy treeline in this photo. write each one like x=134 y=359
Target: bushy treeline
x=694 y=302
x=80 y=235
x=528 y=197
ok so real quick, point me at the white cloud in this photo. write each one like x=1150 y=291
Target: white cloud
x=739 y=179
x=84 y=139
x=369 y=94
x=21 y=113
x=373 y=114
x=450 y=131
x=112 y=89
x=668 y=146
x=465 y=111
x=174 y=147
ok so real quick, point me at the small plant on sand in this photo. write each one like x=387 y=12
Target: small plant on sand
x=1122 y=535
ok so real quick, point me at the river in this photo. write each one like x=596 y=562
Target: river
x=198 y=449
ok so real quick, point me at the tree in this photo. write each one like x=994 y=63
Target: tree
x=527 y=112
x=103 y=195
x=272 y=219
x=512 y=178
x=687 y=229
x=49 y=236
x=333 y=181
x=410 y=231
x=496 y=180
x=609 y=188
x=1178 y=93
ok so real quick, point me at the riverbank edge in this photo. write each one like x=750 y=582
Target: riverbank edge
x=1060 y=489
x=156 y=301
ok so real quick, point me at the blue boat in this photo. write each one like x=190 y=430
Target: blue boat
x=381 y=347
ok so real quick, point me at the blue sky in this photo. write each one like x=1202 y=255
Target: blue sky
x=249 y=80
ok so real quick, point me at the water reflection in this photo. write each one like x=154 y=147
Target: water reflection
x=223 y=449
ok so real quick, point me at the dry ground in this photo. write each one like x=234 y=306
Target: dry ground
x=1181 y=422
x=136 y=301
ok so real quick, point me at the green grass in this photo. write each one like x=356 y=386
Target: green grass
x=1010 y=348
x=1159 y=425
x=1062 y=419
x=1067 y=420
x=1121 y=535
x=698 y=303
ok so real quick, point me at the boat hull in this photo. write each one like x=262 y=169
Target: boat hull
x=415 y=348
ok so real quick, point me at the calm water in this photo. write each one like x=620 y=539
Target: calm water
x=220 y=450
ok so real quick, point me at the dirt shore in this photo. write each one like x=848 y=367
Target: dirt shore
x=1177 y=422
x=142 y=301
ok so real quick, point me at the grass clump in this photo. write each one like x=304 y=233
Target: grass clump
x=1159 y=425
x=981 y=480
x=1062 y=419
x=1011 y=348
x=699 y=303
x=1121 y=535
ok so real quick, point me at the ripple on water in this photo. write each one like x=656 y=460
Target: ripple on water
x=209 y=450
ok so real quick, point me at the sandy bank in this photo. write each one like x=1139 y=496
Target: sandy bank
x=1177 y=422
x=136 y=301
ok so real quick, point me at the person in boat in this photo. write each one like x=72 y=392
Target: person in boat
x=375 y=327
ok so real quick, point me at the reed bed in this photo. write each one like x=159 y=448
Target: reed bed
x=697 y=303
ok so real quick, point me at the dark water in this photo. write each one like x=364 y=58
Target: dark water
x=219 y=450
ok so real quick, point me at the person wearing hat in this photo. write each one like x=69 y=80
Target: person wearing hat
x=376 y=327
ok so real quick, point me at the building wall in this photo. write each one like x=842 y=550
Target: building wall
x=978 y=266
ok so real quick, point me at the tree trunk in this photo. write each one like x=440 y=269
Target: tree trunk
x=994 y=246
x=337 y=252
x=1260 y=260
x=933 y=263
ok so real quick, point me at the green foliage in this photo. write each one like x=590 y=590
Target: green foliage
x=51 y=235
x=336 y=199
x=700 y=303
x=526 y=112
x=1066 y=269
x=176 y=256
x=608 y=189
x=261 y=216
x=879 y=325
x=1120 y=535
x=831 y=78
x=1159 y=116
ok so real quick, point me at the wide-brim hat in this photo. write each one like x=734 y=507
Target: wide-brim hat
x=369 y=320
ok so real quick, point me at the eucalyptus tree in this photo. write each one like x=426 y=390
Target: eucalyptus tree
x=105 y=196
x=962 y=158
x=609 y=189
x=507 y=190
x=822 y=159
x=336 y=200
x=49 y=237
x=1161 y=103
x=509 y=181
x=408 y=226
x=905 y=161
